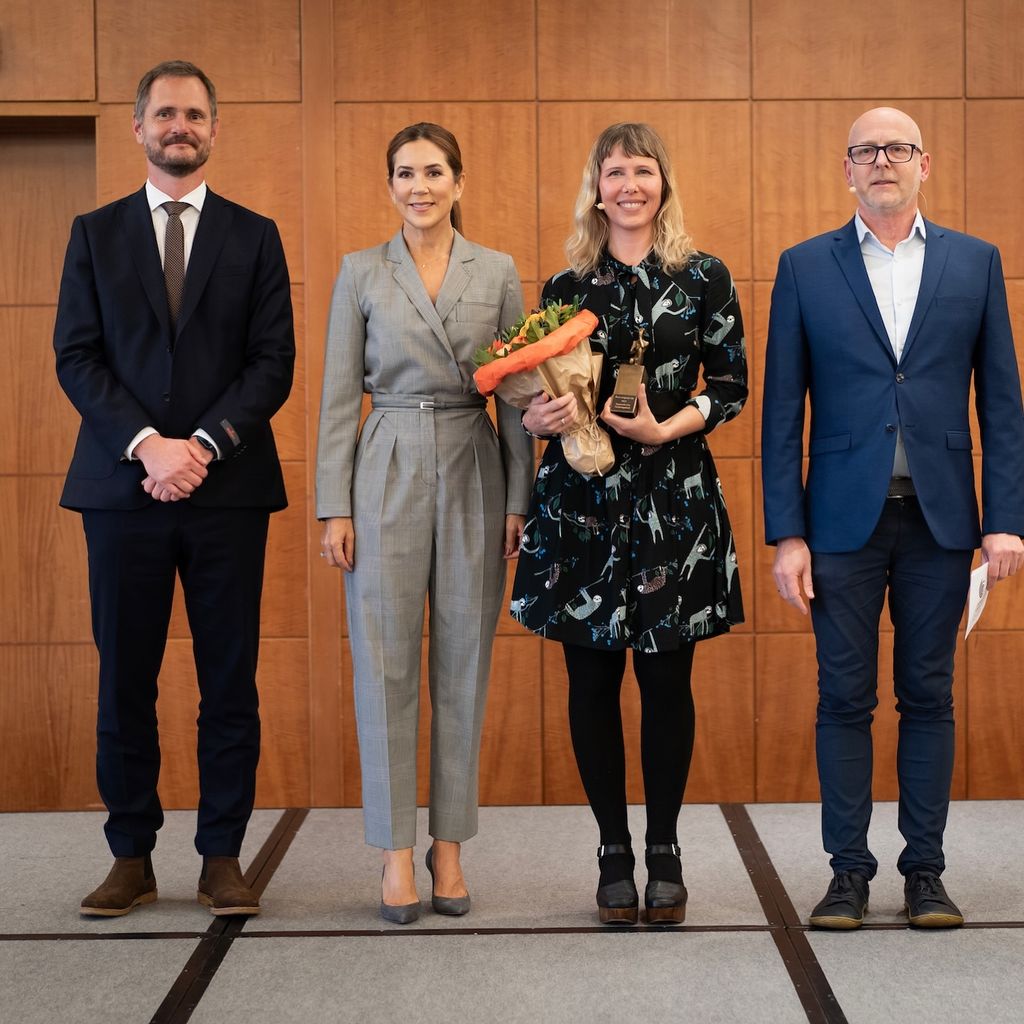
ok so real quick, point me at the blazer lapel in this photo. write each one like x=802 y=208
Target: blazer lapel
x=408 y=280
x=457 y=278
x=936 y=250
x=137 y=220
x=214 y=224
x=847 y=253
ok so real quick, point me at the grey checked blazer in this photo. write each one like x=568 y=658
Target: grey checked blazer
x=386 y=338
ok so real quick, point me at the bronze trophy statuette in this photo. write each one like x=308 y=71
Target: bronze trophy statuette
x=631 y=375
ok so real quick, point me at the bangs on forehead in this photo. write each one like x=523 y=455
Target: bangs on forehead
x=631 y=139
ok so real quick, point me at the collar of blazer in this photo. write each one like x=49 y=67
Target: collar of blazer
x=846 y=249
x=210 y=234
x=455 y=282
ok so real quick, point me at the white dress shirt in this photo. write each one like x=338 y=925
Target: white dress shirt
x=189 y=222
x=895 y=277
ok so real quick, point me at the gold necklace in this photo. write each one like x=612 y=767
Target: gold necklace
x=434 y=259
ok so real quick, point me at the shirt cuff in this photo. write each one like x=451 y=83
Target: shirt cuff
x=703 y=405
x=199 y=432
x=129 y=452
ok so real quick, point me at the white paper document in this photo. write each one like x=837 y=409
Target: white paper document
x=977 y=597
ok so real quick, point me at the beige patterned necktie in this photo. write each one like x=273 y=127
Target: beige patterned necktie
x=174 y=257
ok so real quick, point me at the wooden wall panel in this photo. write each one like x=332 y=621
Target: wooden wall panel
x=995 y=151
x=511 y=761
x=723 y=694
x=474 y=52
x=282 y=779
x=249 y=48
x=786 y=695
x=256 y=162
x=789 y=208
x=37 y=421
x=499 y=205
x=691 y=50
x=995 y=718
x=710 y=147
x=48 y=724
x=47 y=179
x=47 y=51
x=755 y=103
x=995 y=41
x=834 y=49
x=45 y=597
x=327 y=783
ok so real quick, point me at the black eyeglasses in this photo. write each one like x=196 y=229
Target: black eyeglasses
x=895 y=153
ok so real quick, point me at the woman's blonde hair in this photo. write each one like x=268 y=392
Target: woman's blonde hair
x=672 y=245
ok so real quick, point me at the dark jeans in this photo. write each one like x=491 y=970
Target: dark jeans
x=927 y=588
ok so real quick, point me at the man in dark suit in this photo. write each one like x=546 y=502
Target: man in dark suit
x=174 y=341
x=883 y=323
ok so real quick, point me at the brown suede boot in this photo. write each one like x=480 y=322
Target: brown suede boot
x=222 y=888
x=129 y=884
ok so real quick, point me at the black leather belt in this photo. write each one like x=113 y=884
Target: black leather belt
x=901 y=487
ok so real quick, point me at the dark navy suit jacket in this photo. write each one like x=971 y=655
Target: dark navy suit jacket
x=826 y=338
x=226 y=368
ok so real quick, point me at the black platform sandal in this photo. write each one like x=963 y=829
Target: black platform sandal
x=665 y=901
x=618 y=903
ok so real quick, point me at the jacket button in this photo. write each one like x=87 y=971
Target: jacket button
x=166 y=396
x=899 y=378
x=891 y=427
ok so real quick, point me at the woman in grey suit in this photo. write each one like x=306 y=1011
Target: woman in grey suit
x=423 y=505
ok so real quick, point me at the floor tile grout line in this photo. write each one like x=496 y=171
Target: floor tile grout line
x=195 y=977
x=597 y=929
x=808 y=978
x=305 y=933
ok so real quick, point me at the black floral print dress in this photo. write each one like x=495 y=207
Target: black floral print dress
x=643 y=557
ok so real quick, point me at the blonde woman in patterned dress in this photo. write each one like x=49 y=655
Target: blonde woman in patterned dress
x=644 y=558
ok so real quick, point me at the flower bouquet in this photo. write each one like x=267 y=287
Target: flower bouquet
x=548 y=351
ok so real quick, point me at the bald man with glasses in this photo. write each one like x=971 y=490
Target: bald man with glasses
x=883 y=324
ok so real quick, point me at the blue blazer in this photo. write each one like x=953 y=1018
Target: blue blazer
x=227 y=367
x=826 y=339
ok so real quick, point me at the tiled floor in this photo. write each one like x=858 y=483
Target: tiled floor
x=530 y=950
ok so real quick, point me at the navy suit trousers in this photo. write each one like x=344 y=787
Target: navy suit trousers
x=927 y=587
x=134 y=557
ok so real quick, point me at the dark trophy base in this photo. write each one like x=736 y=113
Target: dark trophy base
x=624 y=397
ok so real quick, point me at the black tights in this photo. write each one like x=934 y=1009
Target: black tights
x=666 y=743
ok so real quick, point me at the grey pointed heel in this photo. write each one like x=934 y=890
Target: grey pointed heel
x=404 y=914
x=451 y=906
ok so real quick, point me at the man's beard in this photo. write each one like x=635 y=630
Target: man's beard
x=178 y=165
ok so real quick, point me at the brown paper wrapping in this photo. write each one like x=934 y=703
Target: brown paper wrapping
x=587 y=448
